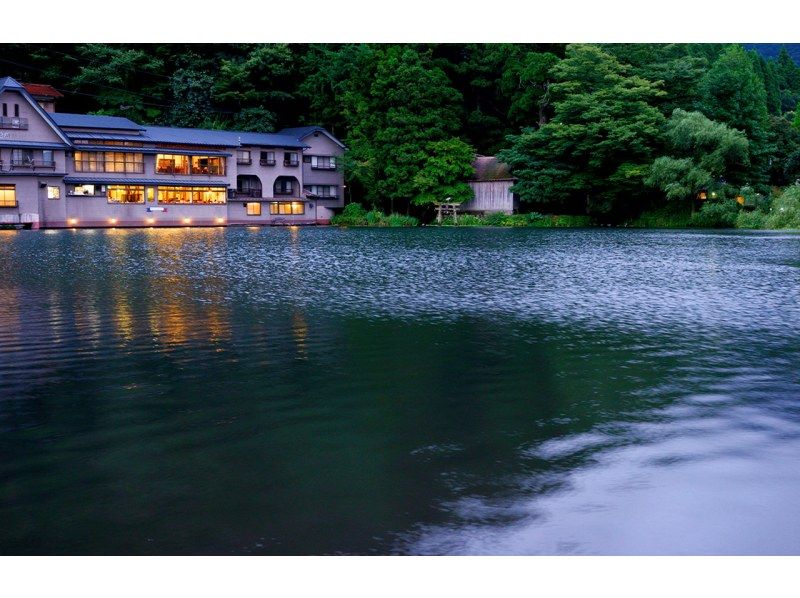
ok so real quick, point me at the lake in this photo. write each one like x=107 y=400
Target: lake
x=399 y=391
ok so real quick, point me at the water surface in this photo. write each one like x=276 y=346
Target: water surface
x=425 y=391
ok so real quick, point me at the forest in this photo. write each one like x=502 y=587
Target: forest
x=621 y=133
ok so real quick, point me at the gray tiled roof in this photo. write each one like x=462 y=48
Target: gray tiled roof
x=219 y=138
x=94 y=121
x=10 y=83
x=121 y=180
x=302 y=132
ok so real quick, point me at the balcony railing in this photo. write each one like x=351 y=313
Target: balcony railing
x=244 y=161
x=248 y=193
x=266 y=162
x=284 y=192
x=21 y=163
x=13 y=122
x=175 y=170
x=291 y=163
x=44 y=164
x=323 y=167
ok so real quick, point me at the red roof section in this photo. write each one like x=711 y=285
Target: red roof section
x=42 y=90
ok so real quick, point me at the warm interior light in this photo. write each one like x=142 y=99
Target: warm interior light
x=112 y=220
x=220 y=221
x=73 y=221
x=151 y=221
x=187 y=220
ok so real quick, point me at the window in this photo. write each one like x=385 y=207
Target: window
x=108 y=162
x=5 y=109
x=267 y=158
x=83 y=190
x=208 y=165
x=192 y=195
x=172 y=164
x=47 y=158
x=16 y=109
x=243 y=157
x=21 y=157
x=151 y=194
x=306 y=159
x=323 y=162
x=290 y=159
x=125 y=194
x=53 y=192
x=8 y=196
x=284 y=186
x=253 y=209
x=287 y=207
x=322 y=190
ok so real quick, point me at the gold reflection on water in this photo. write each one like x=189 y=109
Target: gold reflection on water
x=300 y=333
x=10 y=317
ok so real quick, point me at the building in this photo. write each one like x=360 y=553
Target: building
x=491 y=185
x=62 y=170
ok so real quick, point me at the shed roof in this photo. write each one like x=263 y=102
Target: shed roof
x=489 y=168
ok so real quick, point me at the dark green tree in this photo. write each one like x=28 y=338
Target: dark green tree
x=593 y=155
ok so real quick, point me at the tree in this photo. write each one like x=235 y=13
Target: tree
x=594 y=153
x=444 y=175
x=704 y=153
x=733 y=93
x=788 y=76
x=527 y=82
x=191 y=98
x=408 y=104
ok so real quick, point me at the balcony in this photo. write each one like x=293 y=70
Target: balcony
x=283 y=192
x=13 y=122
x=44 y=164
x=323 y=167
x=247 y=193
x=244 y=161
x=291 y=163
x=265 y=162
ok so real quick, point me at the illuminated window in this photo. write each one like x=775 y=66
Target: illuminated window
x=83 y=190
x=53 y=192
x=285 y=208
x=125 y=194
x=192 y=195
x=108 y=162
x=208 y=165
x=8 y=196
x=172 y=164
x=151 y=194
x=253 y=209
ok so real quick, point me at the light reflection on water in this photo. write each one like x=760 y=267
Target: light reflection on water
x=307 y=391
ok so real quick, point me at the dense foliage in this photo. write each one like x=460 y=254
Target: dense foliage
x=611 y=131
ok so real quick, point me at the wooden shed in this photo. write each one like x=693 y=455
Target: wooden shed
x=491 y=185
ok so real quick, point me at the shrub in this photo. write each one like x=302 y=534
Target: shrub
x=753 y=220
x=400 y=220
x=353 y=214
x=569 y=220
x=716 y=214
x=669 y=216
x=494 y=219
x=785 y=212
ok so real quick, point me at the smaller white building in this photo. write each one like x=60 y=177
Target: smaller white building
x=491 y=185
